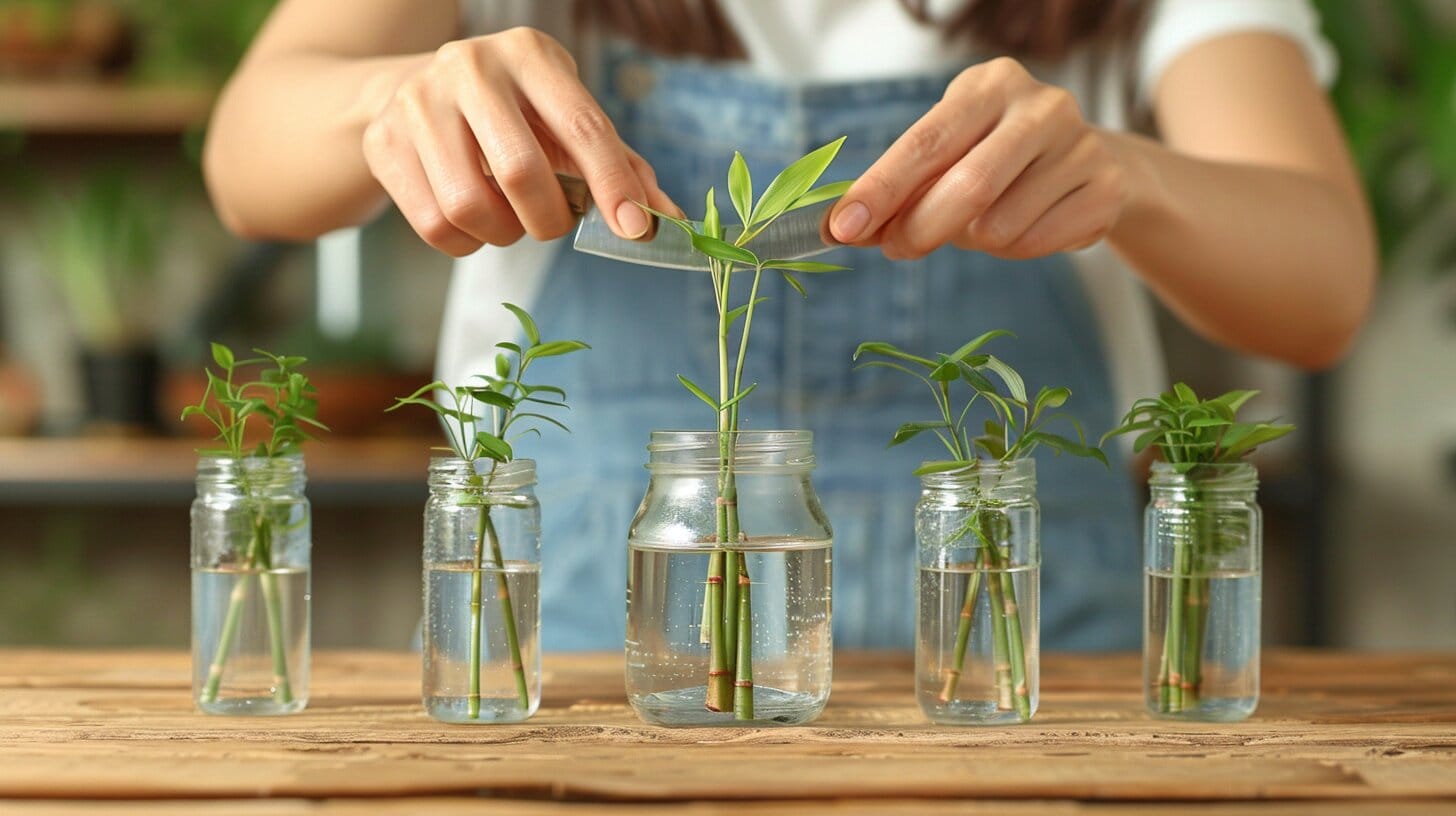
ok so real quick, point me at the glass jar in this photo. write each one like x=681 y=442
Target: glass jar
x=977 y=638
x=728 y=582
x=482 y=570
x=250 y=586
x=1202 y=559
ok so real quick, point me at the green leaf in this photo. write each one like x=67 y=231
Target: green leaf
x=910 y=430
x=896 y=366
x=1049 y=398
x=721 y=250
x=739 y=311
x=508 y=346
x=736 y=398
x=1209 y=422
x=527 y=324
x=818 y=194
x=1061 y=444
x=223 y=356
x=943 y=467
x=502 y=366
x=1246 y=440
x=712 y=223
x=1234 y=400
x=494 y=399
x=811 y=267
x=453 y=413
x=740 y=187
x=493 y=447
x=796 y=180
x=969 y=348
x=554 y=348
x=794 y=282
x=529 y=414
x=698 y=392
x=1185 y=394
x=1008 y=375
x=889 y=350
x=681 y=223
x=437 y=385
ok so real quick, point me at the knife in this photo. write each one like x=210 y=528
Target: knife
x=796 y=234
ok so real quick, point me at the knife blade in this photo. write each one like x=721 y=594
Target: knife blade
x=796 y=234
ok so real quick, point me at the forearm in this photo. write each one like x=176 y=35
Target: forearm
x=284 y=156
x=1270 y=261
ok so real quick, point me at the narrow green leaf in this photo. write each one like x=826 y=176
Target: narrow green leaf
x=721 y=250
x=910 y=430
x=794 y=282
x=796 y=180
x=1061 y=444
x=736 y=398
x=889 y=350
x=494 y=399
x=554 y=348
x=712 y=222
x=437 y=385
x=824 y=193
x=493 y=447
x=740 y=187
x=1049 y=398
x=943 y=467
x=896 y=366
x=739 y=311
x=531 y=415
x=811 y=267
x=1248 y=440
x=502 y=366
x=1185 y=394
x=698 y=392
x=970 y=347
x=527 y=324
x=1008 y=375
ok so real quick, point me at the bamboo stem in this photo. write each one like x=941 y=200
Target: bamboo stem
x=1020 y=693
x=508 y=615
x=743 y=678
x=963 y=636
x=1000 y=648
x=472 y=699
x=260 y=557
x=230 y=621
x=720 y=679
x=1173 y=640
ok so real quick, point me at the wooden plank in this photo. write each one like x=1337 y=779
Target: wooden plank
x=88 y=106
x=1332 y=727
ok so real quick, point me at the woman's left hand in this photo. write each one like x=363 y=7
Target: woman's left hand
x=1002 y=164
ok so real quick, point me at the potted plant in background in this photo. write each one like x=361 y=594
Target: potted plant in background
x=978 y=532
x=482 y=545
x=1203 y=554
x=102 y=246
x=728 y=614
x=251 y=538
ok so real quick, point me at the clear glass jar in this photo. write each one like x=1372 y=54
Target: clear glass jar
x=1202 y=561
x=250 y=586
x=728 y=582
x=482 y=571
x=977 y=639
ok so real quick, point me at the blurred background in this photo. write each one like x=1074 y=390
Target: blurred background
x=114 y=273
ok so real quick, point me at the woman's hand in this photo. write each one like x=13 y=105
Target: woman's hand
x=468 y=144
x=1002 y=164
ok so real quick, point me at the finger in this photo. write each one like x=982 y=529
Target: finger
x=517 y=163
x=397 y=168
x=582 y=129
x=1044 y=184
x=1078 y=221
x=455 y=168
x=657 y=199
x=966 y=190
x=921 y=153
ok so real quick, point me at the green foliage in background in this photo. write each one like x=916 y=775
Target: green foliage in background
x=1396 y=96
x=194 y=40
x=101 y=243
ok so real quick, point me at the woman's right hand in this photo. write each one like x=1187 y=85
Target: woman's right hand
x=469 y=143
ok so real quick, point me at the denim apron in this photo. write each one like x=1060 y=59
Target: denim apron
x=647 y=325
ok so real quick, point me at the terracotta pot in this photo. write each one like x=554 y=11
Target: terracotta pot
x=20 y=400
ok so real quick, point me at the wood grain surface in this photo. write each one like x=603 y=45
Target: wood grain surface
x=115 y=732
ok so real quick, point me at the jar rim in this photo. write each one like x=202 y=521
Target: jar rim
x=511 y=475
x=755 y=451
x=1206 y=476
x=1015 y=473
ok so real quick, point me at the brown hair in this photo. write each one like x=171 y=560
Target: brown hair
x=1037 y=29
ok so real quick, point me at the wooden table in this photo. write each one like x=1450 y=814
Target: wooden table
x=1336 y=733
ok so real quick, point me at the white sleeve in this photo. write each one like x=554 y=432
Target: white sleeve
x=1178 y=25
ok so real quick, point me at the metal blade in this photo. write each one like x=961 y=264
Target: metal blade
x=801 y=233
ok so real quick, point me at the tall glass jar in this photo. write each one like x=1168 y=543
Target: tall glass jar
x=482 y=570
x=977 y=643
x=1203 y=555
x=250 y=586
x=728 y=581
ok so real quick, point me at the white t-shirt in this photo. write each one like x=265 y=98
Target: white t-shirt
x=872 y=39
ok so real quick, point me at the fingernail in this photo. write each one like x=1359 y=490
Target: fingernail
x=633 y=220
x=851 y=221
